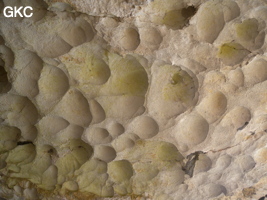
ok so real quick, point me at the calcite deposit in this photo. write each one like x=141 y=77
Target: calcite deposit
x=133 y=99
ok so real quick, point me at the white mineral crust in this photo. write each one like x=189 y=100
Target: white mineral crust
x=134 y=99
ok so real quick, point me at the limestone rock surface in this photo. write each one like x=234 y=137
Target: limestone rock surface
x=133 y=99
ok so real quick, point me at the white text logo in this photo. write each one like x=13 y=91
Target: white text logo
x=20 y=11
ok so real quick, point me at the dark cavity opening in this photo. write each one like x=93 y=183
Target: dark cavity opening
x=190 y=163
x=5 y=86
x=189 y=12
x=24 y=142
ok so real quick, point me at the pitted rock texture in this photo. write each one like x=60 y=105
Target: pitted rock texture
x=135 y=99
